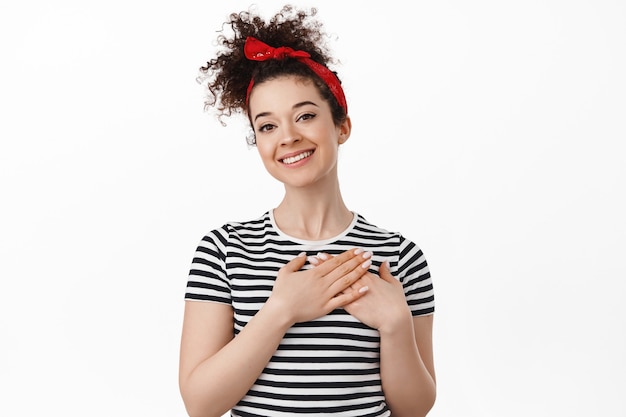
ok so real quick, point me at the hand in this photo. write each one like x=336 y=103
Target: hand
x=383 y=306
x=307 y=295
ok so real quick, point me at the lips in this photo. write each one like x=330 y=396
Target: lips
x=297 y=157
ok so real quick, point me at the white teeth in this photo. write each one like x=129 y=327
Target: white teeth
x=297 y=158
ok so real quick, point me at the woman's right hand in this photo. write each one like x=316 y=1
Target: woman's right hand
x=310 y=294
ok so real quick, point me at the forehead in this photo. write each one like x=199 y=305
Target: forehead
x=283 y=93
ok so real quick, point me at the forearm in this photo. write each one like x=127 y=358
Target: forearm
x=220 y=381
x=408 y=385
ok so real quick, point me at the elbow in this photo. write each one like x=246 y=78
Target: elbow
x=422 y=411
x=420 y=405
x=198 y=410
x=428 y=404
x=198 y=405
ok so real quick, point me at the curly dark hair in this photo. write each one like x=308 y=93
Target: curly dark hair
x=228 y=75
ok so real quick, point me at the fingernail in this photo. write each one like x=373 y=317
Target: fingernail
x=322 y=256
x=367 y=255
x=366 y=264
x=363 y=289
x=388 y=265
x=313 y=260
x=357 y=251
x=302 y=254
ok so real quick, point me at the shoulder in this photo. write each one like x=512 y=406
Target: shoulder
x=367 y=228
x=257 y=227
x=394 y=245
x=384 y=236
x=258 y=223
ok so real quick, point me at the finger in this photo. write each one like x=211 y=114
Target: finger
x=318 y=259
x=385 y=272
x=348 y=296
x=296 y=263
x=344 y=278
x=358 y=284
x=348 y=272
x=331 y=263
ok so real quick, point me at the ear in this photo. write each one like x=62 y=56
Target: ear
x=344 y=130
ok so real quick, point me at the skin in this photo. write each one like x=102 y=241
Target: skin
x=290 y=118
x=406 y=351
x=300 y=120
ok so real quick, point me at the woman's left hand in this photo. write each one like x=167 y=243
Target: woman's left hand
x=384 y=303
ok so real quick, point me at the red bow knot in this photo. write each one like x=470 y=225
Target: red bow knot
x=255 y=50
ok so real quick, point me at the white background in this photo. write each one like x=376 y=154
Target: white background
x=490 y=132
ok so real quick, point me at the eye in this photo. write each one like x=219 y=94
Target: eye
x=306 y=116
x=266 y=127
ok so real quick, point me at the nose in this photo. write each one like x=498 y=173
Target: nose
x=290 y=134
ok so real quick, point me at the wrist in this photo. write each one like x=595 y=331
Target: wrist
x=400 y=323
x=276 y=314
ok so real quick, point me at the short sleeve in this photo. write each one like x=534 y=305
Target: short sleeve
x=207 y=279
x=414 y=275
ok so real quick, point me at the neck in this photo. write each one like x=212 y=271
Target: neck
x=313 y=213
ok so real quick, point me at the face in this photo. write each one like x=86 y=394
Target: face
x=295 y=133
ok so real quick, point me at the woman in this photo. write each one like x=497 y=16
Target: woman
x=308 y=309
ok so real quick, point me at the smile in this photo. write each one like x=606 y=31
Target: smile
x=296 y=158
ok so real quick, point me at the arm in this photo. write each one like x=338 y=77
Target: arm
x=407 y=366
x=217 y=369
x=406 y=352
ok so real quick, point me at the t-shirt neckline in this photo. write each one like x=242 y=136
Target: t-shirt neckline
x=312 y=242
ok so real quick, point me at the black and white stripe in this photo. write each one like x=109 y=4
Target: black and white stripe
x=328 y=366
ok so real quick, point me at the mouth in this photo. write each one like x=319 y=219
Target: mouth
x=295 y=158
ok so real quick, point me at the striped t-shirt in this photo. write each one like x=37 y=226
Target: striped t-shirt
x=328 y=366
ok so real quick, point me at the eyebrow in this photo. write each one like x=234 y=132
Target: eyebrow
x=295 y=106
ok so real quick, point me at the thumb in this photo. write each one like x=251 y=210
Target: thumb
x=296 y=263
x=385 y=272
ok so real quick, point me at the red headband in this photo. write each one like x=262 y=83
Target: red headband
x=255 y=50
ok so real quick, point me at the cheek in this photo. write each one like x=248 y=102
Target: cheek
x=265 y=153
x=261 y=149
